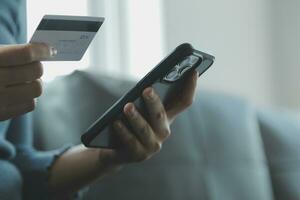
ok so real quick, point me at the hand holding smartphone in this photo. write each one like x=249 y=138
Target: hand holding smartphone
x=165 y=78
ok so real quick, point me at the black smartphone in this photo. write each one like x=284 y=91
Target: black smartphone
x=166 y=77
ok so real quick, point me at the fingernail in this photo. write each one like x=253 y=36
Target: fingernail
x=131 y=110
x=53 y=51
x=149 y=93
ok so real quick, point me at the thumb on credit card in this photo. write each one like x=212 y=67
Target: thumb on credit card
x=11 y=55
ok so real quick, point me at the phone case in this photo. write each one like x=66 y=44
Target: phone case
x=166 y=77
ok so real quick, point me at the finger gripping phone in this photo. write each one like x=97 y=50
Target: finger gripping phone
x=165 y=78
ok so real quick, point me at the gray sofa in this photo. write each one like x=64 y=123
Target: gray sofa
x=221 y=148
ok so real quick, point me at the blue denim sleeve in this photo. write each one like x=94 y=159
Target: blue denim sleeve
x=34 y=165
x=12 y=21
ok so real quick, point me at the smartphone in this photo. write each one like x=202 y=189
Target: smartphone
x=165 y=78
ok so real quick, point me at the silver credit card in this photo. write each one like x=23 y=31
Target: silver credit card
x=70 y=35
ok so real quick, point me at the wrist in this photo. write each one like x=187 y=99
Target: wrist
x=108 y=160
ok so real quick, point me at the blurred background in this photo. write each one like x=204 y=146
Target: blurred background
x=255 y=42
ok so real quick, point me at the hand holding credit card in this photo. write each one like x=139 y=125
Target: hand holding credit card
x=69 y=35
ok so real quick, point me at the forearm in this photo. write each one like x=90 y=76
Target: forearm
x=80 y=166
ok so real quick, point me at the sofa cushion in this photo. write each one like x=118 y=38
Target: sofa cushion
x=215 y=151
x=281 y=135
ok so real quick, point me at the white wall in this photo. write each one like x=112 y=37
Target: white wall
x=129 y=43
x=286 y=51
x=237 y=32
x=256 y=42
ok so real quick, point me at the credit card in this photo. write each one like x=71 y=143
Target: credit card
x=70 y=35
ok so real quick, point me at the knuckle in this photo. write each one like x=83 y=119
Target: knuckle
x=144 y=130
x=37 y=88
x=28 y=53
x=38 y=69
x=160 y=115
x=166 y=133
x=156 y=147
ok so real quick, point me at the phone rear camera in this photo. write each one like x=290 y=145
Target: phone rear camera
x=188 y=63
x=193 y=59
x=181 y=68
x=172 y=75
x=184 y=69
